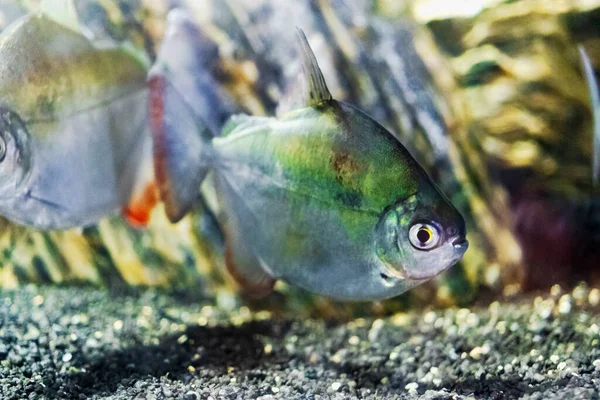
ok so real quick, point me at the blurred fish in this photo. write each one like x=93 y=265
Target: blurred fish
x=74 y=138
x=560 y=238
x=595 y=100
x=323 y=197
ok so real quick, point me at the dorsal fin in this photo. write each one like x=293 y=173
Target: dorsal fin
x=595 y=102
x=317 y=88
x=62 y=12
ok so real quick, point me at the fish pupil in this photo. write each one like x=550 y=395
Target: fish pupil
x=423 y=235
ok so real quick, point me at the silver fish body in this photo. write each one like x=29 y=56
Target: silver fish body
x=73 y=124
x=322 y=197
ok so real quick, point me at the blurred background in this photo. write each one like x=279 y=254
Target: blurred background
x=488 y=95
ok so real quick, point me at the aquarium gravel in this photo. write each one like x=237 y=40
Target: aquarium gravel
x=79 y=343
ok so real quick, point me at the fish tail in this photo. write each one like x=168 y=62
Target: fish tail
x=181 y=150
x=189 y=58
x=187 y=109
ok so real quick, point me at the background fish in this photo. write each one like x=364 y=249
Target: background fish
x=74 y=143
x=595 y=103
x=323 y=197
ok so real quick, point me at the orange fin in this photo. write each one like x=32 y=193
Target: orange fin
x=245 y=268
x=179 y=147
x=143 y=200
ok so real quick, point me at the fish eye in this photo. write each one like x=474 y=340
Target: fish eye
x=423 y=236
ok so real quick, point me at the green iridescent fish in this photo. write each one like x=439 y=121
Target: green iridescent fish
x=323 y=197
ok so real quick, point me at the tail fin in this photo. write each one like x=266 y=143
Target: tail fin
x=186 y=111
x=180 y=148
x=595 y=100
x=189 y=58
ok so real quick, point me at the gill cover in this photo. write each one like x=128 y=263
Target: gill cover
x=180 y=136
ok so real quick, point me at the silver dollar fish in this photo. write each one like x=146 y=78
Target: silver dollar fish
x=74 y=138
x=322 y=197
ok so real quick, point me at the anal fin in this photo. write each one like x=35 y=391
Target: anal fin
x=244 y=266
x=138 y=185
x=143 y=200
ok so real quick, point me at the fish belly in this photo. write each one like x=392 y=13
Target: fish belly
x=88 y=166
x=303 y=240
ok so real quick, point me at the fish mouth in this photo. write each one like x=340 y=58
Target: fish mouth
x=460 y=245
x=455 y=249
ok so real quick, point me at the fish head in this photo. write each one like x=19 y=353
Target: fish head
x=15 y=154
x=421 y=236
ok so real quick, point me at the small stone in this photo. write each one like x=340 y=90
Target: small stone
x=375 y=329
x=401 y=319
x=429 y=318
x=564 y=304
x=412 y=387
x=538 y=377
x=476 y=353
x=118 y=325
x=594 y=297
x=38 y=300
x=555 y=290
x=182 y=339
x=335 y=386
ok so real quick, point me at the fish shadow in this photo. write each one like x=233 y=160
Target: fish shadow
x=217 y=348
x=513 y=386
